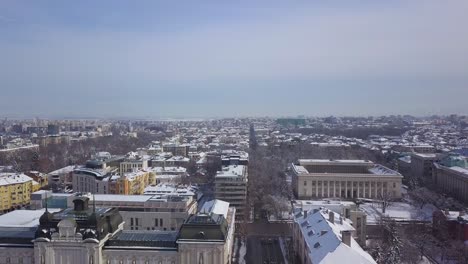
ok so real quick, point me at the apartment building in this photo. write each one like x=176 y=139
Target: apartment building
x=344 y=179
x=15 y=190
x=133 y=162
x=346 y=209
x=176 y=149
x=231 y=186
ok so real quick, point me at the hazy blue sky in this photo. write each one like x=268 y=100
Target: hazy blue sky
x=233 y=58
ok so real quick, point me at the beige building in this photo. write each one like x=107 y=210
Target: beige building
x=344 y=179
x=451 y=180
x=96 y=235
x=231 y=186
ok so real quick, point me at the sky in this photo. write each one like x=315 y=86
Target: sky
x=233 y=58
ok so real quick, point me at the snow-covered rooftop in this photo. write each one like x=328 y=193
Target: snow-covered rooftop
x=216 y=207
x=324 y=238
x=13 y=178
x=23 y=218
x=231 y=171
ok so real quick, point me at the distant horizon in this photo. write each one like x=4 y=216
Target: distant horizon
x=195 y=118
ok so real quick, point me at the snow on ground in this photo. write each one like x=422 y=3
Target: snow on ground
x=400 y=211
x=242 y=252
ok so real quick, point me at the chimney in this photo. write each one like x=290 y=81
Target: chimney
x=341 y=219
x=331 y=217
x=305 y=214
x=346 y=237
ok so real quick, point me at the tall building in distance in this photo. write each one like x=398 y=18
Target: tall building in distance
x=231 y=186
x=344 y=179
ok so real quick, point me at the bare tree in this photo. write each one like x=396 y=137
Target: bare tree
x=386 y=200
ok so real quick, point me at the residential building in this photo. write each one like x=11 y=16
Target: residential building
x=345 y=179
x=176 y=149
x=133 y=162
x=61 y=176
x=231 y=186
x=347 y=209
x=15 y=190
x=323 y=236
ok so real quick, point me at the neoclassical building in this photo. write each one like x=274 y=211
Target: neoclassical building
x=317 y=178
x=85 y=234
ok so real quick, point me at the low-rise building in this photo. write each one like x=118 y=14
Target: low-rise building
x=323 y=236
x=346 y=209
x=344 y=179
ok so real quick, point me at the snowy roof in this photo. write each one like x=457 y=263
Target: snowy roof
x=166 y=170
x=216 y=207
x=324 y=240
x=63 y=170
x=334 y=162
x=13 y=178
x=164 y=188
x=121 y=198
x=459 y=169
x=399 y=211
x=231 y=171
x=382 y=170
x=23 y=218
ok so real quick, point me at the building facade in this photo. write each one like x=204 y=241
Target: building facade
x=231 y=186
x=15 y=190
x=452 y=180
x=91 y=235
x=344 y=179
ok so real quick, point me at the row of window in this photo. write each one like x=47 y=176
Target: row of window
x=344 y=183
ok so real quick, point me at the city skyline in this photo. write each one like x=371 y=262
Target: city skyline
x=233 y=59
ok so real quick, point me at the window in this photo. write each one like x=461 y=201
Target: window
x=156 y=222
x=394 y=185
x=305 y=183
x=131 y=221
x=161 y=222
